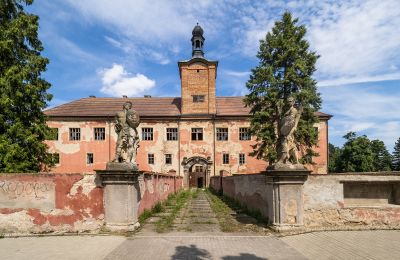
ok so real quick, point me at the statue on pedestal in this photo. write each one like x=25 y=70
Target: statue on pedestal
x=126 y=123
x=288 y=119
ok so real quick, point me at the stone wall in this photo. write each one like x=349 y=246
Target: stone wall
x=156 y=187
x=367 y=200
x=61 y=203
x=333 y=201
x=42 y=203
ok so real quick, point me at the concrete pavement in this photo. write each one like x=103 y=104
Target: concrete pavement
x=319 y=245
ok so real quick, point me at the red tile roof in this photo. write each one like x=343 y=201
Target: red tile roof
x=147 y=107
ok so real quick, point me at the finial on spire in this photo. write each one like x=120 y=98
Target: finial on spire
x=197 y=41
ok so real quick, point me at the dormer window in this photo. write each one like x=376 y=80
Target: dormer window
x=198 y=98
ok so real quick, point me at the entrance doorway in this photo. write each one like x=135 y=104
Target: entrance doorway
x=200 y=182
x=196 y=171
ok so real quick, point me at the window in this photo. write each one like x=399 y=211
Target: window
x=147 y=134
x=74 y=134
x=172 y=134
x=242 y=158
x=99 y=133
x=198 y=98
x=150 y=158
x=244 y=134
x=89 y=158
x=198 y=168
x=225 y=158
x=168 y=159
x=53 y=134
x=197 y=134
x=222 y=134
x=316 y=132
x=55 y=158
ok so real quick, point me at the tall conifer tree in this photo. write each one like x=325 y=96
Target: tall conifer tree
x=23 y=91
x=396 y=156
x=285 y=69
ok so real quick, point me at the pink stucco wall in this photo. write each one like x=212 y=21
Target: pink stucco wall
x=67 y=202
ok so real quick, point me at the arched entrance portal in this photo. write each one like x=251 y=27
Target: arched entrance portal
x=197 y=171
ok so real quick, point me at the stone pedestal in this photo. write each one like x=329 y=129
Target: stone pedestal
x=287 y=198
x=121 y=189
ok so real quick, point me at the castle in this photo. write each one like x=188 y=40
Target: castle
x=196 y=135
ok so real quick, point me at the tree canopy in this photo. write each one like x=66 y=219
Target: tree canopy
x=23 y=91
x=359 y=154
x=285 y=70
x=396 y=156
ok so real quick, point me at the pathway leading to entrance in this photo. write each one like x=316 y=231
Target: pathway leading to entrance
x=196 y=234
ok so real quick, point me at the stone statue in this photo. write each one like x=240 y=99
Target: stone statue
x=288 y=119
x=126 y=123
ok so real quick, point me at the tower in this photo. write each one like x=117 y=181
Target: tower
x=197 y=42
x=198 y=77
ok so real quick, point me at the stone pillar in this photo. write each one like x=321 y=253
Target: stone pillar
x=121 y=196
x=286 y=211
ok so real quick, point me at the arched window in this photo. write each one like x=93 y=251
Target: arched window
x=197 y=44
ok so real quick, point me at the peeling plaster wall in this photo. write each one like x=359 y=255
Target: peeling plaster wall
x=155 y=188
x=74 y=203
x=326 y=205
x=73 y=153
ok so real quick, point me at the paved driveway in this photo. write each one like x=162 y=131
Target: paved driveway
x=319 y=245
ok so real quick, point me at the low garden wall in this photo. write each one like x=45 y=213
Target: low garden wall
x=59 y=203
x=329 y=202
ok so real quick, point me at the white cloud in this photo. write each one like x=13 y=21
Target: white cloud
x=356 y=38
x=239 y=74
x=364 y=110
x=118 y=82
x=351 y=80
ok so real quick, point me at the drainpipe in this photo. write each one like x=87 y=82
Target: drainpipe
x=109 y=140
x=179 y=147
x=214 y=141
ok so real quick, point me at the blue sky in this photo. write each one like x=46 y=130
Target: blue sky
x=111 y=48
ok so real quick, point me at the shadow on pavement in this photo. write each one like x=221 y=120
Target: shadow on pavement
x=190 y=252
x=244 y=256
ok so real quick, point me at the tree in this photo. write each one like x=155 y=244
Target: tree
x=396 y=156
x=334 y=156
x=357 y=154
x=284 y=70
x=382 y=157
x=23 y=91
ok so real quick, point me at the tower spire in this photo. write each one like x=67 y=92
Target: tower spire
x=197 y=42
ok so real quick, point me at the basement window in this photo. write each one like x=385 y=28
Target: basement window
x=197 y=134
x=222 y=134
x=99 y=133
x=150 y=158
x=198 y=98
x=225 y=158
x=89 y=158
x=168 y=159
x=74 y=134
x=242 y=158
x=55 y=158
